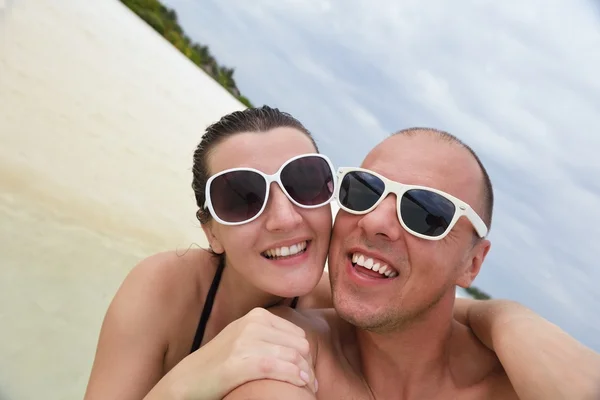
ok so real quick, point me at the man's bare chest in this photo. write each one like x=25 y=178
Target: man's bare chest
x=338 y=380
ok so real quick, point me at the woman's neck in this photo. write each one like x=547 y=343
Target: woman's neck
x=238 y=296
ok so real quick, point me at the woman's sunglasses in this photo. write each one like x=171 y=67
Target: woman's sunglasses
x=239 y=195
x=424 y=212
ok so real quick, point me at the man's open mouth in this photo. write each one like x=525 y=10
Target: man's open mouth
x=372 y=267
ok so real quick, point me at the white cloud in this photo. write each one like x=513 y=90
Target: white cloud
x=516 y=80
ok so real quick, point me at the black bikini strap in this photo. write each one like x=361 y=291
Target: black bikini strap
x=294 y=302
x=208 y=304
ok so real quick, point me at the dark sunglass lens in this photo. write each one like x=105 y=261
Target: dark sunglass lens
x=308 y=180
x=238 y=195
x=359 y=190
x=426 y=212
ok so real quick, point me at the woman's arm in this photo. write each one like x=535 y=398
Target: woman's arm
x=540 y=359
x=132 y=343
x=134 y=338
x=260 y=345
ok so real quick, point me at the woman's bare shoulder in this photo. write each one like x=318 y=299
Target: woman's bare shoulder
x=139 y=330
x=168 y=276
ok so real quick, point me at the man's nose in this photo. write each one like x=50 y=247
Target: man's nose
x=281 y=213
x=382 y=222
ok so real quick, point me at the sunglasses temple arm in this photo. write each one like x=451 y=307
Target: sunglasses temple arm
x=477 y=222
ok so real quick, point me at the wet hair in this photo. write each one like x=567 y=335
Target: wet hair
x=487 y=189
x=261 y=119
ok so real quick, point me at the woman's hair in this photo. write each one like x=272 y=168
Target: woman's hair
x=261 y=119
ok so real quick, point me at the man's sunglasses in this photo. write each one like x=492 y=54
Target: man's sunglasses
x=424 y=212
x=239 y=195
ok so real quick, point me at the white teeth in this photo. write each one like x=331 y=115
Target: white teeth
x=286 y=251
x=361 y=261
x=369 y=263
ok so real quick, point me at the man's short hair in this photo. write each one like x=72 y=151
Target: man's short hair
x=487 y=189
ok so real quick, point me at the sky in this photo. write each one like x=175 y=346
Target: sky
x=517 y=81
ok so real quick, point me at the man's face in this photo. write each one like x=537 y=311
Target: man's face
x=420 y=272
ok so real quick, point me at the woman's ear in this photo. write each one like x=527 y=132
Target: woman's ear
x=213 y=240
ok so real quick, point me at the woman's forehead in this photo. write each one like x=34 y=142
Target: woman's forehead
x=265 y=151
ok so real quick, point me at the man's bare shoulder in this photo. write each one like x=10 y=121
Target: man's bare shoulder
x=475 y=368
x=317 y=323
x=269 y=390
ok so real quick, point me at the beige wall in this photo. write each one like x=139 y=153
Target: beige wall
x=99 y=117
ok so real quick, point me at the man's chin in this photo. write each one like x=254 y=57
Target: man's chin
x=361 y=315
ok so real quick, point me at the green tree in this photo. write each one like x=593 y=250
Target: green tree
x=164 y=21
x=477 y=294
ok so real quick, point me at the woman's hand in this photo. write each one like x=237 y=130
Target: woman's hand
x=259 y=345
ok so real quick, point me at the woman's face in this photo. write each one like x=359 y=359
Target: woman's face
x=281 y=228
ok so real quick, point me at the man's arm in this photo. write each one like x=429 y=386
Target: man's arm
x=540 y=359
x=266 y=389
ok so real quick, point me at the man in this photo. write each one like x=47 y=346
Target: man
x=396 y=255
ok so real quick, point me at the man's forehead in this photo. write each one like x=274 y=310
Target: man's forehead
x=424 y=160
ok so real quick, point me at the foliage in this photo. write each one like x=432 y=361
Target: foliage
x=477 y=294
x=164 y=21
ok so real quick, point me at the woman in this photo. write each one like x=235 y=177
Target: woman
x=194 y=326
x=267 y=247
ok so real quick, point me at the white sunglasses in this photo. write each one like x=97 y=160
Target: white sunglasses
x=239 y=195
x=425 y=212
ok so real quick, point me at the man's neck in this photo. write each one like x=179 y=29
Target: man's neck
x=411 y=361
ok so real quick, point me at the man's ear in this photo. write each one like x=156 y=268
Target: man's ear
x=213 y=241
x=472 y=264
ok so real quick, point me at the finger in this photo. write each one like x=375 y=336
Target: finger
x=307 y=372
x=261 y=352
x=285 y=325
x=285 y=339
x=293 y=356
x=263 y=316
x=274 y=368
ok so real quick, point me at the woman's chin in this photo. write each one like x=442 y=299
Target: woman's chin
x=295 y=287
